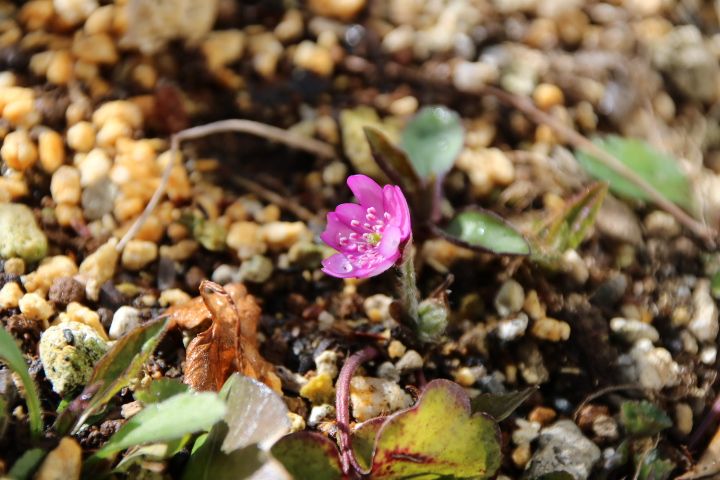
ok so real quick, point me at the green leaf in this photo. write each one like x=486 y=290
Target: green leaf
x=484 y=230
x=308 y=455
x=11 y=354
x=159 y=390
x=658 y=169
x=363 y=440
x=393 y=160
x=438 y=437
x=715 y=285
x=255 y=414
x=118 y=367
x=655 y=468
x=569 y=227
x=433 y=139
x=27 y=464
x=643 y=418
x=172 y=419
x=500 y=406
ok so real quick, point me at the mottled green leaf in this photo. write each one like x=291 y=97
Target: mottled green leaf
x=308 y=455
x=118 y=367
x=27 y=464
x=172 y=419
x=653 y=467
x=658 y=169
x=393 y=160
x=500 y=405
x=437 y=437
x=642 y=418
x=10 y=353
x=484 y=230
x=569 y=227
x=433 y=139
x=159 y=390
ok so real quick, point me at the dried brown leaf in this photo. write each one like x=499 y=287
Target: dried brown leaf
x=229 y=344
x=195 y=313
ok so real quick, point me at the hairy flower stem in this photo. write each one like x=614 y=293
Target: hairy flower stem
x=708 y=420
x=350 y=466
x=408 y=283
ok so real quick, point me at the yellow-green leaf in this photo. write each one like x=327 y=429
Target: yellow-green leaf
x=308 y=455
x=484 y=230
x=438 y=437
x=11 y=354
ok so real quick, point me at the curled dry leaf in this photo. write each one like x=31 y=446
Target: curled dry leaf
x=230 y=344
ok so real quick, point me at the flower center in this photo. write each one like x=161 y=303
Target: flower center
x=373 y=238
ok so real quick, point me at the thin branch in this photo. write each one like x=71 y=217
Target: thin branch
x=342 y=408
x=358 y=65
x=579 y=141
x=268 y=132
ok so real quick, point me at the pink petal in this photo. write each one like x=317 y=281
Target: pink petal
x=334 y=229
x=390 y=242
x=347 y=212
x=338 y=266
x=367 y=191
x=382 y=266
x=403 y=211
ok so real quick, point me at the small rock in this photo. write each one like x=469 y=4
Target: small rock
x=313 y=57
x=64 y=462
x=76 y=312
x=521 y=455
x=225 y=274
x=281 y=236
x=340 y=9
x=99 y=267
x=10 y=295
x=632 y=330
x=704 y=322
x=256 y=269
x=661 y=224
x=138 y=254
x=471 y=77
x=512 y=328
x=35 y=307
x=551 y=329
x=654 y=366
x=68 y=352
x=321 y=413
x=124 y=320
x=510 y=298
x=245 y=238
x=65 y=290
x=467 y=376
x=542 y=415
x=98 y=199
x=409 y=362
x=573 y=264
x=19 y=233
x=605 y=427
x=563 y=447
x=377 y=307
x=683 y=418
x=532 y=368
x=396 y=349
x=388 y=371
x=319 y=389
x=526 y=431
x=173 y=296
x=326 y=362
x=372 y=397
x=49 y=270
x=708 y=355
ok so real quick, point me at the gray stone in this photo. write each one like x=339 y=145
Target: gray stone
x=704 y=322
x=98 y=199
x=632 y=330
x=256 y=269
x=68 y=352
x=510 y=298
x=19 y=233
x=563 y=447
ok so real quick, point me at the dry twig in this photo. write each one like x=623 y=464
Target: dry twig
x=269 y=132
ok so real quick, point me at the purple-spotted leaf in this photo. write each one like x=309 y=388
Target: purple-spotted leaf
x=437 y=437
x=120 y=365
x=433 y=139
x=308 y=455
x=484 y=230
x=500 y=406
x=570 y=226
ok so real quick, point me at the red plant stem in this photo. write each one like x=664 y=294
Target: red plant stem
x=342 y=407
x=707 y=421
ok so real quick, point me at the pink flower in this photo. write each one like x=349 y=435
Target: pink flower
x=368 y=236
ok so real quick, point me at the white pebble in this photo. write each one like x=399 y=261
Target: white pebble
x=409 y=362
x=512 y=328
x=125 y=319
